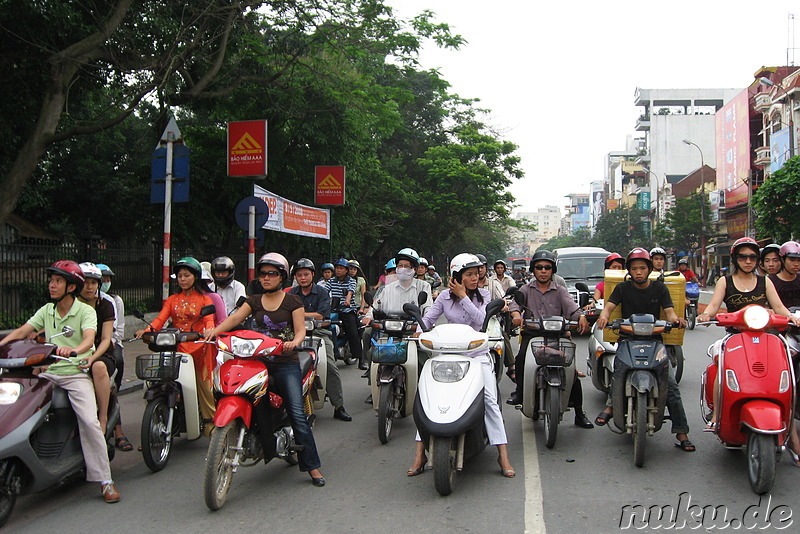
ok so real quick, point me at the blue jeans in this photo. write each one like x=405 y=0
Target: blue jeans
x=289 y=383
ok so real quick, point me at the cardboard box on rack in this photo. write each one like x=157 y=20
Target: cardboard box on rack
x=676 y=284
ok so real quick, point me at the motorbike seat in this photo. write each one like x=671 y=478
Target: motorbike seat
x=306 y=361
x=60 y=399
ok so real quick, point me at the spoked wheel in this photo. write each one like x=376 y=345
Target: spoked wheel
x=676 y=360
x=156 y=436
x=8 y=493
x=386 y=412
x=219 y=464
x=761 y=462
x=691 y=316
x=640 y=431
x=552 y=411
x=444 y=465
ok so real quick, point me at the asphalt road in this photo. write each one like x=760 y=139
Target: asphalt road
x=583 y=484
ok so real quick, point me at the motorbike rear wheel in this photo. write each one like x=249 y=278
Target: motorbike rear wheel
x=156 y=437
x=219 y=464
x=691 y=316
x=8 y=493
x=676 y=359
x=444 y=465
x=640 y=430
x=552 y=412
x=386 y=412
x=761 y=459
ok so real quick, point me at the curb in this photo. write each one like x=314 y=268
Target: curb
x=130 y=387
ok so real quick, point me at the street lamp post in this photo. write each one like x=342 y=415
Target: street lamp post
x=770 y=83
x=703 y=244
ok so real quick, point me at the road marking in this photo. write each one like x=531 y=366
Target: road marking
x=534 y=511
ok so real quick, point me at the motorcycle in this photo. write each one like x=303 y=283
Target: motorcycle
x=316 y=344
x=600 y=361
x=692 y=297
x=341 y=345
x=170 y=391
x=640 y=381
x=755 y=382
x=449 y=405
x=39 y=442
x=244 y=432
x=394 y=372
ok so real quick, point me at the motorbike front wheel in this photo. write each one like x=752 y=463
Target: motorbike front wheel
x=444 y=465
x=552 y=412
x=386 y=412
x=761 y=459
x=156 y=436
x=640 y=430
x=219 y=464
x=8 y=493
x=691 y=316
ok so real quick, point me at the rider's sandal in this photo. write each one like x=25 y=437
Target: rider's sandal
x=603 y=418
x=686 y=446
x=795 y=457
x=123 y=444
x=711 y=427
x=418 y=471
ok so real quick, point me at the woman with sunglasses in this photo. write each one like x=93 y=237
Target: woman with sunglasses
x=281 y=315
x=740 y=289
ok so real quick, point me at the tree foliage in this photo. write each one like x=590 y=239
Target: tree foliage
x=777 y=203
x=621 y=229
x=682 y=225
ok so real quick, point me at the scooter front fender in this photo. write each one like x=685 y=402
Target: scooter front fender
x=762 y=416
x=642 y=381
x=231 y=408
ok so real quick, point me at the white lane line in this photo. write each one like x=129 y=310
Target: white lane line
x=534 y=509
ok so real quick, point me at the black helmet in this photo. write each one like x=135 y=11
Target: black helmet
x=546 y=255
x=303 y=263
x=223 y=263
x=483 y=259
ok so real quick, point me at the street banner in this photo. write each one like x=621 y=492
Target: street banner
x=293 y=218
x=779 y=148
x=733 y=149
x=329 y=185
x=247 y=148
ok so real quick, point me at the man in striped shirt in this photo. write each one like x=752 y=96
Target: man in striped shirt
x=343 y=287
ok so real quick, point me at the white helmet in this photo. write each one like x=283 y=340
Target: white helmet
x=464 y=261
x=90 y=270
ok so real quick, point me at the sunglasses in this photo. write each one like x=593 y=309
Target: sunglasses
x=547 y=267
x=268 y=274
x=751 y=257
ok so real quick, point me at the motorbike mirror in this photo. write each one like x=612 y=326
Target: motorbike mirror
x=67 y=331
x=519 y=298
x=241 y=301
x=414 y=311
x=334 y=302
x=207 y=310
x=511 y=290
x=422 y=298
x=492 y=309
x=138 y=314
x=369 y=298
x=436 y=284
x=581 y=286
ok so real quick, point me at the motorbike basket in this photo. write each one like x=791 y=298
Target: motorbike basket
x=163 y=366
x=389 y=351
x=560 y=352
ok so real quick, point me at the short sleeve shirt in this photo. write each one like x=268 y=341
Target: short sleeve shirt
x=277 y=323
x=648 y=300
x=788 y=291
x=105 y=312
x=80 y=317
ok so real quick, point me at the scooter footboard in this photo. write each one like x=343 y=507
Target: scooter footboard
x=229 y=408
x=762 y=416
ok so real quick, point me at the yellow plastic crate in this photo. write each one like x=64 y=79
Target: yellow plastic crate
x=676 y=284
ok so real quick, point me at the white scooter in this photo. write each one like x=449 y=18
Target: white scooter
x=600 y=361
x=449 y=406
x=317 y=344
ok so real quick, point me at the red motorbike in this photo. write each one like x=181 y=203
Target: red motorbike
x=756 y=389
x=245 y=432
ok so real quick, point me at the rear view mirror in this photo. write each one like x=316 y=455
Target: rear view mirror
x=519 y=298
x=208 y=310
x=422 y=298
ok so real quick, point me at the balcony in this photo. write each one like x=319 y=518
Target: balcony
x=762 y=102
x=643 y=123
x=643 y=158
x=762 y=156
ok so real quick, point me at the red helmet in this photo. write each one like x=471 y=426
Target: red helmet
x=744 y=241
x=639 y=254
x=614 y=257
x=70 y=271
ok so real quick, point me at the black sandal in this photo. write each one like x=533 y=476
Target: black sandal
x=512 y=374
x=603 y=418
x=123 y=444
x=686 y=446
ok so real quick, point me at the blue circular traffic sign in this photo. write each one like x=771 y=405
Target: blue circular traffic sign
x=243 y=210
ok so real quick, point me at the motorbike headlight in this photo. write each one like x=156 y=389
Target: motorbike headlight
x=756 y=317
x=552 y=326
x=784 y=385
x=450 y=371
x=244 y=348
x=730 y=380
x=10 y=392
x=394 y=326
x=166 y=339
x=643 y=329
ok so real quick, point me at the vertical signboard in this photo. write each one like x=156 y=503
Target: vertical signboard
x=733 y=149
x=247 y=148
x=329 y=185
x=779 y=149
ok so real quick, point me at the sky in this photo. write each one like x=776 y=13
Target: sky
x=559 y=77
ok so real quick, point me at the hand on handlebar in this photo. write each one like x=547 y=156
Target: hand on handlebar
x=602 y=322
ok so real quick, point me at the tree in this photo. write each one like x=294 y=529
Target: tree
x=621 y=229
x=682 y=224
x=777 y=203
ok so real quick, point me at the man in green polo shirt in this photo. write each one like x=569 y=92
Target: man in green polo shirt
x=66 y=281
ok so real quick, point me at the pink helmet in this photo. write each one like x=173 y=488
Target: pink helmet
x=276 y=260
x=790 y=249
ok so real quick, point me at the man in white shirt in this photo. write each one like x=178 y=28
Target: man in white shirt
x=223 y=269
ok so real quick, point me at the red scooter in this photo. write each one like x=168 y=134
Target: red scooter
x=243 y=431
x=755 y=384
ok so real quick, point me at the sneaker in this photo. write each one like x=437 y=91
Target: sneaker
x=110 y=493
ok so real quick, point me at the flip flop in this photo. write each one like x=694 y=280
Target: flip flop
x=686 y=446
x=508 y=473
x=603 y=418
x=123 y=444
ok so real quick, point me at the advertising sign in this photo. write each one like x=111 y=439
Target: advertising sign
x=293 y=218
x=643 y=200
x=733 y=149
x=329 y=185
x=247 y=148
x=596 y=201
x=779 y=149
